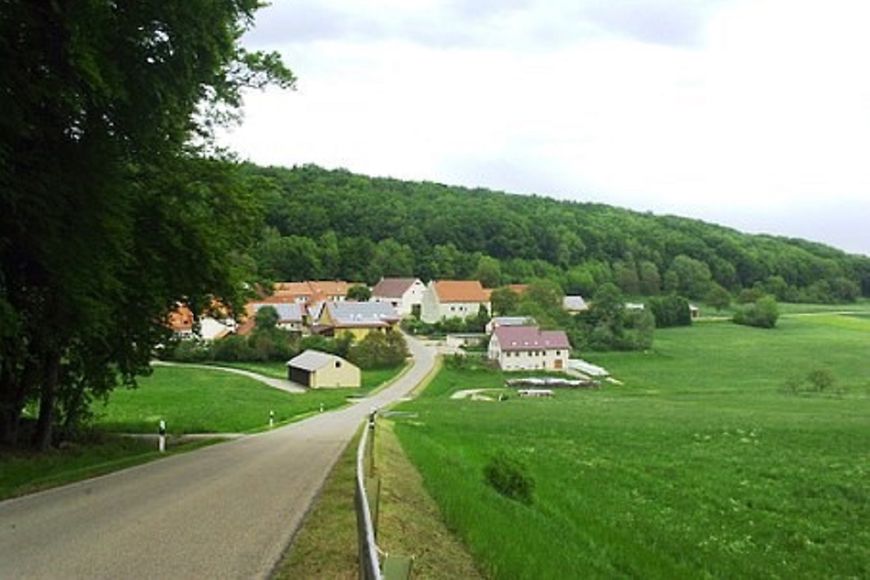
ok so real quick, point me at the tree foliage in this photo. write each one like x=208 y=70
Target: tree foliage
x=763 y=313
x=109 y=215
x=670 y=310
x=437 y=231
x=359 y=292
x=379 y=350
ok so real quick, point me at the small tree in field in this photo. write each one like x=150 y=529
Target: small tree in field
x=762 y=314
x=718 y=297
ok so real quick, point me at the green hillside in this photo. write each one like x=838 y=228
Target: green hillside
x=336 y=224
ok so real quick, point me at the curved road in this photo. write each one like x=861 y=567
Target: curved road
x=282 y=384
x=226 y=511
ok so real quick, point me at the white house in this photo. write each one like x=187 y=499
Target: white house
x=453 y=298
x=520 y=348
x=403 y=294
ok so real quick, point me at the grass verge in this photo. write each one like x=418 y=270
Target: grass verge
x=410 y=522
x=326 y=545
x=23 y=472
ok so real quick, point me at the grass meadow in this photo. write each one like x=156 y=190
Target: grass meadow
x=197 y=400
x=701 y=464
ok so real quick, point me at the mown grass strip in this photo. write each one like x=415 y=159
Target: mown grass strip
x=410 y=523
x=26 y=472
x=325 y=547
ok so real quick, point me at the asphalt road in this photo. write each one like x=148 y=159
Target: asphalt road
x=226 y=511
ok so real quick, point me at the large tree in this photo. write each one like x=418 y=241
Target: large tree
x=109 y=211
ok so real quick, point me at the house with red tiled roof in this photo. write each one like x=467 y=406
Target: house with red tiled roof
x=453 y=299
x=185 y=325
x=307 y=292
x=523 y=348
x=403 y=294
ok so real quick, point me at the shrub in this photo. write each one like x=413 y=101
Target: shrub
x=379 y=350
x=509 y=477
x=671 y=310
x=189 y=351
x=232 y=348
x=762 y=314
x=821 y=379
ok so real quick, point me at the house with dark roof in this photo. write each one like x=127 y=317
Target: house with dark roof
x=320 y=370
x=356 y=318
x=524 y=348
x=453 y=299
x=403 y=294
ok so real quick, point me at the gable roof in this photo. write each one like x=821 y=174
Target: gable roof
x=329 y=288
x=460 y=291
x=574 y=303
x=393 y=287
x=518 y=338
x=356 y=314
x=312 y=360
x=286 y=312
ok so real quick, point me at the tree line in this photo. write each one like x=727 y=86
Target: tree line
x=335 y=224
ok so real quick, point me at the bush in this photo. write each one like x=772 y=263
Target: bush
x=189 y=351
x=509 y=477
x=379 y=350
x=232 y=348
x=762 y=314
x=671 y=310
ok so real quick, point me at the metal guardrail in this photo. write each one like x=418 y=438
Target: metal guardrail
x=369 y=562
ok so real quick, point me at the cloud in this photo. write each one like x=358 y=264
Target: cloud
x=533 y=24
x=684 y=107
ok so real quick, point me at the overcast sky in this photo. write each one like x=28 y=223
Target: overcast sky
x=753 y=114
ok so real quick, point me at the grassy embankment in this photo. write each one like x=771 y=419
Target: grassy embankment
x=195 y=400
x=190 y=400
x=23 y=472
x=700 y=465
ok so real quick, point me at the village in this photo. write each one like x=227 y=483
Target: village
x=339 y=309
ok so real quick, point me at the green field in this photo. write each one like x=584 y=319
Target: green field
x=370 y=378
x=701 y=464
x=24 y=472
x=196 y=400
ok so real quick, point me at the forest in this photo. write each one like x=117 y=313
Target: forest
x=328 y=224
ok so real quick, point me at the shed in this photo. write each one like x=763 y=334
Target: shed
x=320 y=370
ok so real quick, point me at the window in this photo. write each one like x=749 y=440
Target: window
x=338 y=364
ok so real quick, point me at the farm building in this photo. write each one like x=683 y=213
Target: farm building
x=403 y=294
x=518 y=348
x=453 y=299
x=319 y=370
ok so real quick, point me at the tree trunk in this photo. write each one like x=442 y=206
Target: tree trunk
x=48 y=394
x=13 y=389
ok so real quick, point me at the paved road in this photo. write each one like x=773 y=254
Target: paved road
x=282 y=384
x=226 y=511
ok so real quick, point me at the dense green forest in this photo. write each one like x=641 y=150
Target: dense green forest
x=336 y=224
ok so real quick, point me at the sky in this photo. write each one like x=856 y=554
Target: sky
x=753 y=114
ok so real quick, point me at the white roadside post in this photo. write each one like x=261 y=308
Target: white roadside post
x=271 y=419
x=161 y=439
x=321 y=407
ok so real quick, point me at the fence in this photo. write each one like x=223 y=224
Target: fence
x=367 y=494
